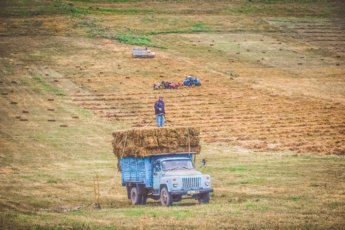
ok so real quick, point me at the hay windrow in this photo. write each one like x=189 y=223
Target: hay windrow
x=152 y=141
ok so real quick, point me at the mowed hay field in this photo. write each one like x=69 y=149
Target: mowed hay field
x=271 y=110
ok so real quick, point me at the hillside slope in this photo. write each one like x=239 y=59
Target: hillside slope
x=271 y=109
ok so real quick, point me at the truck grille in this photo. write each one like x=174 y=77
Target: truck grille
x=191 y=182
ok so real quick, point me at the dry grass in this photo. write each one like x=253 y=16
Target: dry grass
x=270 y=98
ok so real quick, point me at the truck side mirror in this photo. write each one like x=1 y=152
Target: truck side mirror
x=157 y=168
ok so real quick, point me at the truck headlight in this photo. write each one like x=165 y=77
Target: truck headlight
x=175 y=183
x=207 y=180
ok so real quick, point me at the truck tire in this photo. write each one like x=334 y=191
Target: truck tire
x=204 y=198
x=135 y=197
x=166 y=198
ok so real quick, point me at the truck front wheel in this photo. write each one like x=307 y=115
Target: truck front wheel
x=135 y=196
x=166 y=198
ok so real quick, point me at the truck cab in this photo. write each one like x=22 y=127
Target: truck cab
x=167 y=177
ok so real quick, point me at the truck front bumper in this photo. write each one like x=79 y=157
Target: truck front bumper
x=191 y=192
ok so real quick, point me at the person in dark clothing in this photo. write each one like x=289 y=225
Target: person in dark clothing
x=160 y=112
x=203 y=162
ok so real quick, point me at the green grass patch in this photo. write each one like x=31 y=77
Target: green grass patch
x=27 y=177
x=46 y=87
x=286 y=1
x=200 y=27
x=66 y=8
x=135 y=212
x=195 y=28
x=83 y=112
x=95 y=1
x=238 y=168
x=77 y=11
x=335 y=205
x=130 y=11
x=295 y=198
x=174 y=212
x=94 y=30
x=168 y=32
x=255 y=206
x=52 y=181
x=283 y=8
x=253 y=180
x=35 y=8
x=132 y=39
x=243 y=10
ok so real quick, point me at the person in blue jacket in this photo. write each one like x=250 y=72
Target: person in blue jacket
x=160 y=112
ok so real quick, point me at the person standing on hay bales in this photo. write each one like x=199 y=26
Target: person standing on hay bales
x=160 y=112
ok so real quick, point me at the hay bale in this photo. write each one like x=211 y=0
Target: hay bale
x=152 y=141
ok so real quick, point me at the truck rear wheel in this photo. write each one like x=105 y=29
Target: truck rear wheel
x=166 y=198
x=135 y=198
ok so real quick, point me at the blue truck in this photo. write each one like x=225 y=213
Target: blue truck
x=164 y=177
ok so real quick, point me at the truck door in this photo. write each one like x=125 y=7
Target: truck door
x=156 y=177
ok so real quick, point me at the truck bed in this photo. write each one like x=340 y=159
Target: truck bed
x=136 y=170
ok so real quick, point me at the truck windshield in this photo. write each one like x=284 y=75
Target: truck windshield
x=176 y=165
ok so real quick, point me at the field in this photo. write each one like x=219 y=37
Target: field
x=271 y=110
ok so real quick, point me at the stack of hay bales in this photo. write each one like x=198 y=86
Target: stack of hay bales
x=152 y=141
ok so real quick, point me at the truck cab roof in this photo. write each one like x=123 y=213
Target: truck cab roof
x=172 y=158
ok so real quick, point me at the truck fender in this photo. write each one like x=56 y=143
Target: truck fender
x=162 y=186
